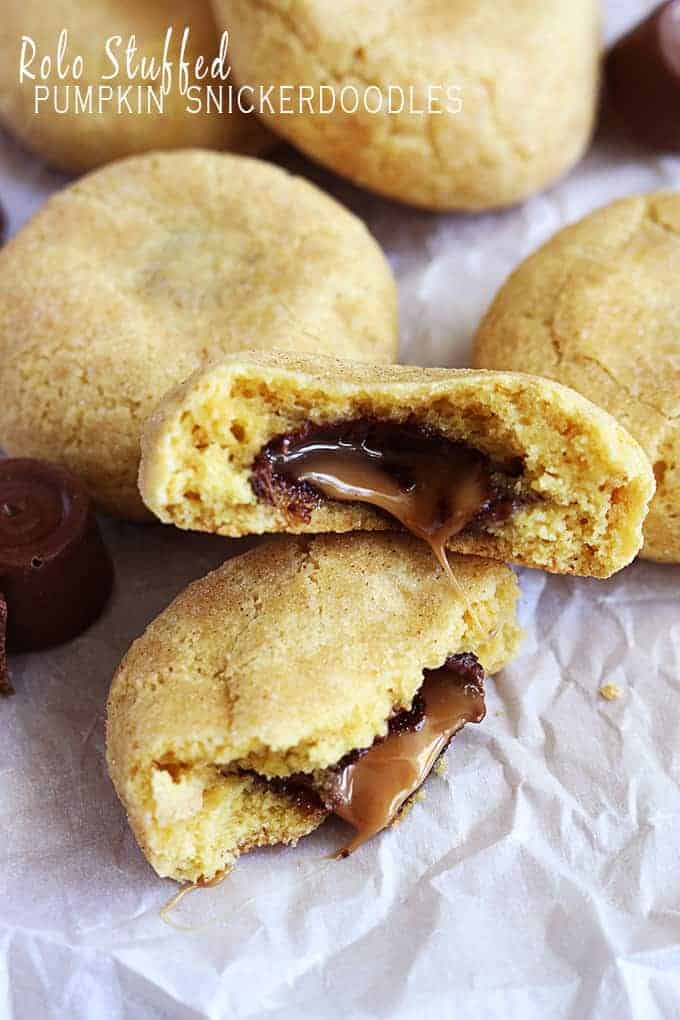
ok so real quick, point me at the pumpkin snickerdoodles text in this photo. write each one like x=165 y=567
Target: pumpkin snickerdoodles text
x=132 y=83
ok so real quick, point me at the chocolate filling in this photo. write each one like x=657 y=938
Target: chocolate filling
x=369 y=787
x=433 y=486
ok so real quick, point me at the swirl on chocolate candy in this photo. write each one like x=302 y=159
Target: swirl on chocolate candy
x=55 y=572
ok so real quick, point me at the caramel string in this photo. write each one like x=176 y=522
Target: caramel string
x=378 y=489
x=174 y=901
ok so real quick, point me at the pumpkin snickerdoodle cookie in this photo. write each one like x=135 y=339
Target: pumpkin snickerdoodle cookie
x=126 y=282
x=243 y=714
x=597 y=309
x=77 y=138
x=526 y=74
x=497 y=464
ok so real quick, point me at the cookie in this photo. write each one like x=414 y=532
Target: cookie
x=270 y=671
x=507 y=466
x=75 y=138
x=126 y=282
x=444 y=104
x=596 y=308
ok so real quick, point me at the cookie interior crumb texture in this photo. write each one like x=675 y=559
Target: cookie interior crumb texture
x=283 y=661
x=126 y=282
x=583 y=490
x=527 y=81
x=597 y=308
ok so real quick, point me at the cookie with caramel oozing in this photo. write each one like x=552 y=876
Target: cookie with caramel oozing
x=503 y=465
x=243 y=715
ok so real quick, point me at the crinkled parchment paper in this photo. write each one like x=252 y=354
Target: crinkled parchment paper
x=538 y=878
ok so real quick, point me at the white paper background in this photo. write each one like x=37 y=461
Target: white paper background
x=538 y=879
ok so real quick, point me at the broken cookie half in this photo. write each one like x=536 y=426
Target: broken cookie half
x=306 y=677
x=496 y=464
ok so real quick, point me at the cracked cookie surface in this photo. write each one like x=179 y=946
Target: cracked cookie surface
x=283 y=661
x=528 y=105
x=126 y=282
x=597 y=309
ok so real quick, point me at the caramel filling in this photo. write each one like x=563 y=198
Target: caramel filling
x=369 y=787
x=431 y=485
x=370 y=791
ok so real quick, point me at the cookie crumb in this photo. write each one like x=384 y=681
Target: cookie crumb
x=610 y=692
x=441 y=766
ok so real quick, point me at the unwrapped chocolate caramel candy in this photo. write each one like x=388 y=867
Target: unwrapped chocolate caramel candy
x=643 y=76
x=55 y=572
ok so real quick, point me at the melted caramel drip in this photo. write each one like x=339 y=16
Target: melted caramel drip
x=208 y=883
x=369 y=792
x=432 y=486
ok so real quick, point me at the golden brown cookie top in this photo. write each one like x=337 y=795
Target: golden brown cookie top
x=295 y=653
x=480 y=114
x=595 y=308
x=126 y=282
